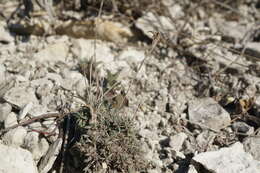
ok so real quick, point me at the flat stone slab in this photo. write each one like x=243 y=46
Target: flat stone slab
x=20 y=96
x=208 y=112
x=232 y=159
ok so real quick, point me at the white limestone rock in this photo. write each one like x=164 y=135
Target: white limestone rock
x=38 y=147
x=231 y=159
x=208 y=112
x=53 y=53
x=5 y=36
x=16 y=160
x=10 y=120
x=25 y=109
x=20 y=96
x=150 y=22
x=48 y=160
x=15 y=137
x=5 y=109
x=2 y=73
x=252 y=145
x=86 y=49
x=177 y=141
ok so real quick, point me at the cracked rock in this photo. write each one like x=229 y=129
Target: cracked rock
x=208 y=112
x=20 y=96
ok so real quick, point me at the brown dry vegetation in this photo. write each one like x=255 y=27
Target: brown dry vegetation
x=106 y=136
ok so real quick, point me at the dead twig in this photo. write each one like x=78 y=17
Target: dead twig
x=32 y=120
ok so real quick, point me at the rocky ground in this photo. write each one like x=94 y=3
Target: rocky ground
x=185 y=75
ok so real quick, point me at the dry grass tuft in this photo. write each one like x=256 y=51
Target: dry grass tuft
x=108 y=138
x=110 y=143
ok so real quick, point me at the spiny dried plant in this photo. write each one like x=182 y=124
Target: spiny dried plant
x=108 y=144
x=108 y=140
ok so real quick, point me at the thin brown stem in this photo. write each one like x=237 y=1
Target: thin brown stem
x=32 y=120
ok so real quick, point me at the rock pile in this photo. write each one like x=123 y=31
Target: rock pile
x=194 y=95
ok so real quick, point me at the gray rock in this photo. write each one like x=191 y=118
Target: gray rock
x=37 y=147
x=20 y=96
x=86 y=49
x=120 y=66
x=257 y=101
x=2 y=73
x=253 y=49
x=208 y=112
x=5 y=109
x=192 y=169
x=153 y=171
x=15 y=137
x=179 y=103
x=50 y=124
x=31 y=139
x=177 y=140
x=15 y=159
x=44 y=87
x=53 y=53
x=39 y=73
x=10 y=120
x=80 y=87
x=242 y=127
x=51 y=155
x=5 y=36
x=153 y=158
x=38 y=110
x=145 y=133
x=70 y=79
x=250 y=91
x=55 y=78
x=230 y=29
x=132 y=56
x=41 y=80
x=150 y=22
x=232 y=159
x=174 y=9
x=5 y=86
x=177 y=154
x=70 y=74
x=205 y=139
x=49 y=100
x=24 y=110
x=36 y=126
x=252 y=145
